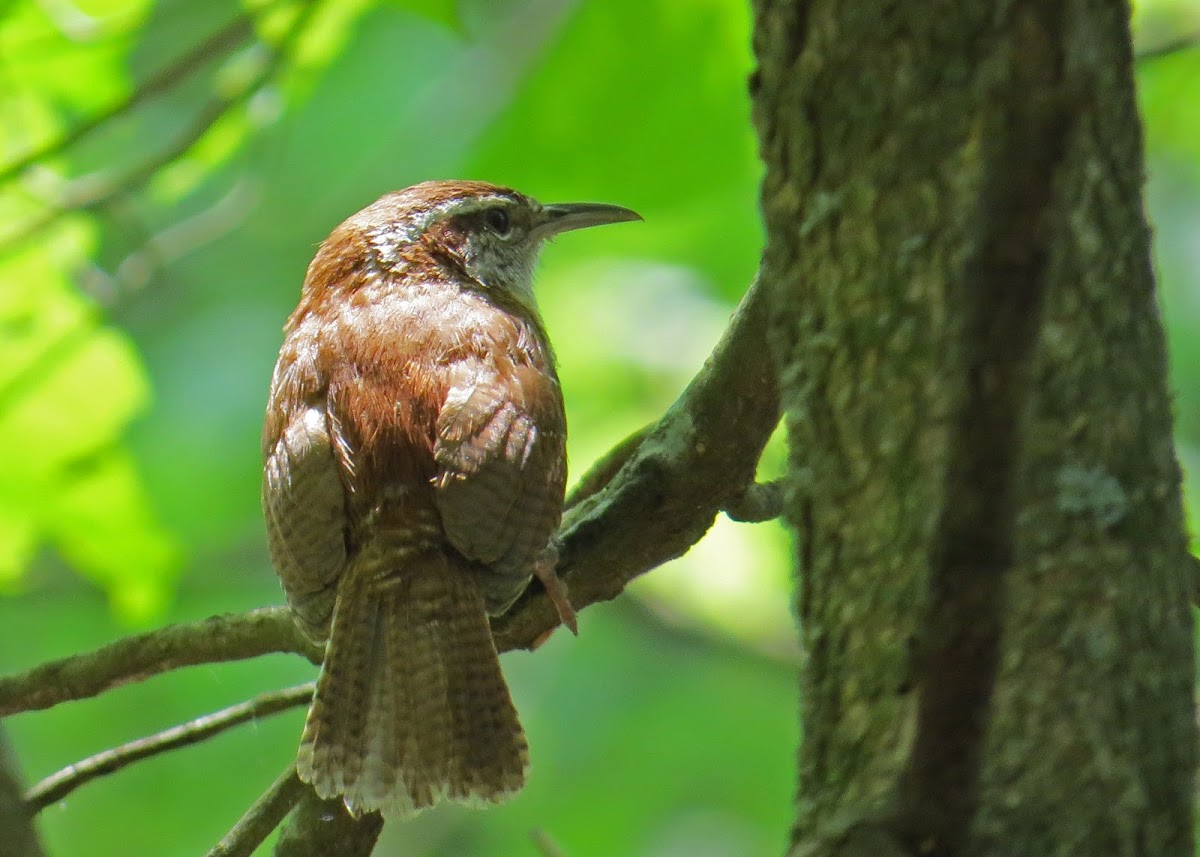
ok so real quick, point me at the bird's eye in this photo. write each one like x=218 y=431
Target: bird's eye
x=497 y=220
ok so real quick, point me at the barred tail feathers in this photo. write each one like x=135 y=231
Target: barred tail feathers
x=411 y=707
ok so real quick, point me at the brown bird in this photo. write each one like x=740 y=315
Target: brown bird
x=414 y=471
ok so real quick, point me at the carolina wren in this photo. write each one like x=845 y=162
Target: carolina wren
x=414 y=470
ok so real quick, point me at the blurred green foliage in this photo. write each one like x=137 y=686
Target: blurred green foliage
x=146 y=270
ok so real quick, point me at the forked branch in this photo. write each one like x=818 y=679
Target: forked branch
x=673 y=480
x=645 y=503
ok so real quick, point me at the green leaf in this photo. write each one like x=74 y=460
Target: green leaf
x=59 y=58
x=102 y=524
x=69 y=387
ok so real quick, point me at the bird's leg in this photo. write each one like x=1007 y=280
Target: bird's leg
x=543 y=570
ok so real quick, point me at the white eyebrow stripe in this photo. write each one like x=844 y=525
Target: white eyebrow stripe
x=385 y=239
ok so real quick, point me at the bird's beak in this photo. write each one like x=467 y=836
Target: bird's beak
x=565 y=216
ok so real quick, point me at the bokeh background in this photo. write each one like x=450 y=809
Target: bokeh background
x=166 y=171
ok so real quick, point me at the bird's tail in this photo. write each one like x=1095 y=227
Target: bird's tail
x=411 y=707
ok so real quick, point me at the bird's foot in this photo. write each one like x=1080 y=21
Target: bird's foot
x=544 y=571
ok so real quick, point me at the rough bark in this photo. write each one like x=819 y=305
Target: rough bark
x=993 y=578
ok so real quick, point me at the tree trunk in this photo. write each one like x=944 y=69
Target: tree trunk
x=993 y=573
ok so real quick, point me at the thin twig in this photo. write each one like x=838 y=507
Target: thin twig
x=545 y=845
x=214 y=47
x=102 y=193
x=262 y=817
x=219 y=638
x=58 y=785
x=1167 y=48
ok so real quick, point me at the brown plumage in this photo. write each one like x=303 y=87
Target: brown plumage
x=414 y=471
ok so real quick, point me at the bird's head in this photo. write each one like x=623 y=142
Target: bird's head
x=491 y=234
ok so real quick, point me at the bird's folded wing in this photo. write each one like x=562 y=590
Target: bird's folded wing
x=501 y=460
x=304 y=506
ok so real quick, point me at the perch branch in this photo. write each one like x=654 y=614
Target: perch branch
x=653 y=498
x=58 y=785
x=673 y=480
x=219 y=638
x=262 y=817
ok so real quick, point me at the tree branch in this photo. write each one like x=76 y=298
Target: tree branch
x=219 y=638
x=60 y=784
x=760 y=501
x=1167 y=48
x=262 y=817
x=645 y=503
x=674 y=480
